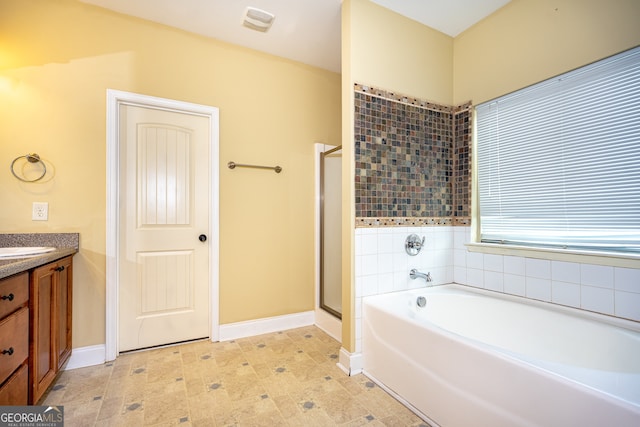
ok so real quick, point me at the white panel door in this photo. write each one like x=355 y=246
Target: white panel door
x=164 y=211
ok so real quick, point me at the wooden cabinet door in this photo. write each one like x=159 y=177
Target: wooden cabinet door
x=50 y=303
x=43 y=360
x=64 y=287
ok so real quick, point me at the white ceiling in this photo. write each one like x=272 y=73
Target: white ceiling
x=307 y=31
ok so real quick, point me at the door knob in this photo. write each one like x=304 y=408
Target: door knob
x=202 y=238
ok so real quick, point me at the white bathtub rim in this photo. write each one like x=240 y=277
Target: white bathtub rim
x=547 y=305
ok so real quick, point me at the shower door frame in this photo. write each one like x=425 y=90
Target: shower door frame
x=322 y=304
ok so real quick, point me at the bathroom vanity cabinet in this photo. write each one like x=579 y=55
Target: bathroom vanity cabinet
x=35 y=330
x=14 y=340
x=50 y=303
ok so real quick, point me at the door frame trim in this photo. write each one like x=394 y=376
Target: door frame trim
x=115 y=98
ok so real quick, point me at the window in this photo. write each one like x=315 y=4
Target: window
x=559 y=161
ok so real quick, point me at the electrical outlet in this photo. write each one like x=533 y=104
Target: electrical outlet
x=40 y=211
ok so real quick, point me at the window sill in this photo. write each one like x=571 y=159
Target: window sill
x=583 y=257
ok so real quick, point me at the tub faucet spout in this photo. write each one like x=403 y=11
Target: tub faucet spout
x=414 y=274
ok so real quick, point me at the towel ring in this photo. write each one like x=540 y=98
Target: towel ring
x=31 y=158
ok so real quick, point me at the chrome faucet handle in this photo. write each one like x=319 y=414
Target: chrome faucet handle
x=413 y=244
x=418 y=244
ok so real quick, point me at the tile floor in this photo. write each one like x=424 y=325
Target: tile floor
x=287 y=378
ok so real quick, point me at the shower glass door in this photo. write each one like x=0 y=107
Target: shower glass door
x=330 y=231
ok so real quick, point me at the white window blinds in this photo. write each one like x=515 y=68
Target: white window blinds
x=559 y=162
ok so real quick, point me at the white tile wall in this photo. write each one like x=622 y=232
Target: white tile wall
x=382 y=266
x=565 y=271
x=514 y=265
x=596 y=275
x=538 y=288
x=515 y=284
x=627 y=279
x=627 y=304
x=603 y=289
x=538 y=268
x=493 y=280
x=565 y=293
x=597 y=299
x=493 y=262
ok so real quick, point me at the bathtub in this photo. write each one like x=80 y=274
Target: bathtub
x=478 y=358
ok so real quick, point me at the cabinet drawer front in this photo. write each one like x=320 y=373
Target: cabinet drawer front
x=14 y=292
x=14 y=342
x=16 y=390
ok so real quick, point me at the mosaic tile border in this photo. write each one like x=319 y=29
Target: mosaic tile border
x=411 y=222
x=462 y=107
x=410 y=100
x=402 y=222
x=462 y=221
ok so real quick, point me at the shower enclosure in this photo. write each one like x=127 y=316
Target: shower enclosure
x=330 y=231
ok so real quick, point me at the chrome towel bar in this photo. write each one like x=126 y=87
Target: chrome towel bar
x=233 y=165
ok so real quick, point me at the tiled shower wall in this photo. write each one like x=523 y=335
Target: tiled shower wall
x=412 y=160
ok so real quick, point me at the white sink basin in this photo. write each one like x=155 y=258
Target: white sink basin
x=24 y=251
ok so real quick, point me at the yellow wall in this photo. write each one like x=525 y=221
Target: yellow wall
x=348 y=182
x=57 y=59
x=528 y=41
x=390 y=51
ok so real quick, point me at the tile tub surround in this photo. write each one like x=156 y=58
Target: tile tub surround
x=287 y=378
x=614 y=291
x=412 y=159
x=382 y=266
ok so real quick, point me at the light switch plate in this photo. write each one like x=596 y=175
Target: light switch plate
x=40 y=211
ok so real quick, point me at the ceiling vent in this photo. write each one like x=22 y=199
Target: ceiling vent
x=258 y=19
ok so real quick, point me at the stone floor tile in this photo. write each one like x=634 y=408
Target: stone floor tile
x=287 y=378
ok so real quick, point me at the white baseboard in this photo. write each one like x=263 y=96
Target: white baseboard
x=329 y=324
x=86 y=356
x=350 y=363
x=232 y=331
